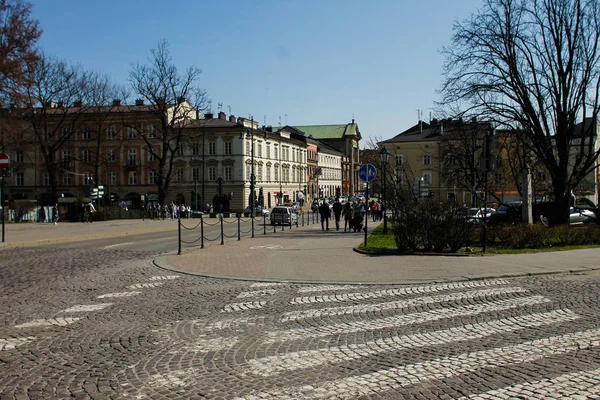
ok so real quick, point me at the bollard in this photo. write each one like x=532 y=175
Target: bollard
x=239 y=227
x=264 y=224
x=201 y=232
x=222 y=234
x=179 y=236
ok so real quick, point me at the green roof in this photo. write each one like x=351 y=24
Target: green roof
x=329 y=131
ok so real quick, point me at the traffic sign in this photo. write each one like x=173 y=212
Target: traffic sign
x=367 y=172
x=4 y=160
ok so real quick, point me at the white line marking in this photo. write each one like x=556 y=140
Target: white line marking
x=48 y=322
x=256 y=293
x=267 y=246
x=145 y=285
x=111 y=246
x=253 y=305
x=11 y=343
x=396 y=292
x=121 y=294
x=265 y=284
x=87 y=307
x=574 y=385
x=399 y=320
x=163 y=277
x=307 y=359
x=412 y=374
x=361 y=308
x=323 y=288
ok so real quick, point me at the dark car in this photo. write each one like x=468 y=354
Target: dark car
x=259 y=211
x=509 y=213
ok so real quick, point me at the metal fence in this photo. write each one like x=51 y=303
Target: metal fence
x=253 y=229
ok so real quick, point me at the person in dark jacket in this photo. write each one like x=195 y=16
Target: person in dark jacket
x=325 y=212
x=337 y=212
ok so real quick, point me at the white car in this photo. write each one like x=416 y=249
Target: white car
x=283 y=215
x=476 y=215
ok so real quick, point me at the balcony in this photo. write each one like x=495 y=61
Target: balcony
x=131 y=164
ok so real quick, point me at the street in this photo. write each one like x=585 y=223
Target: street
x=107 y=323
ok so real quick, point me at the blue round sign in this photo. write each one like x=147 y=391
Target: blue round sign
x=367 y=172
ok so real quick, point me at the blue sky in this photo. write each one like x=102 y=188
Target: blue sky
x=304 y=62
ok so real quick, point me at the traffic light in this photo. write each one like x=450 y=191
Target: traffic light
x=488 y=163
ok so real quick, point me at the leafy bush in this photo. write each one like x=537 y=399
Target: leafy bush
x=537 y=236
x=429 y=225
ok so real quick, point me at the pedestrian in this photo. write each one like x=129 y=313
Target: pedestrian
x=374 y=210
x=337 y=212
x=55 y=214
x=359 y=211
x=325 y=212
x=348 y=211
x=90 y=212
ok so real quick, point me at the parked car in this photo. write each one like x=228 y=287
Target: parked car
x=259 y=211
x=283 y=215
x=508 y=213
x=577 y=216
x=476 y=215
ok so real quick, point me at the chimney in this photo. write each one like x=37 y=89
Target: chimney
x=61 y=104
x=232 y=119
x=197 y=114
x=139 y=102
x=222 y=115
x=208 y=116
x=78 y=103
x=116 y=102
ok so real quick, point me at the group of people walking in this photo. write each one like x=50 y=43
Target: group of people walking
x=353 y=214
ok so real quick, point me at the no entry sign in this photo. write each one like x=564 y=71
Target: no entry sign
x=4 y=161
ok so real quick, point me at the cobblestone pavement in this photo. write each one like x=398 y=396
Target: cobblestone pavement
x=109 y=324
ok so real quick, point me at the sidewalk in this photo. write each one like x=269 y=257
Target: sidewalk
x=307 y=254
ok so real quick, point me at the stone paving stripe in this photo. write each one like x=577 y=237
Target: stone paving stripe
x=326 y=288
x=273 y=365
x=121 y=294
x=265 y=284
x=582 y=383
x=234 y=323
x=86 y=307
x=407 y=319
x=361 y=308
x=252 y=305
x=206 y=345
x=145 y=285
x=396 y=292
x=413 y=374
x=164 y=277
x=257 y=293
x=48 y=322
x=11 y=343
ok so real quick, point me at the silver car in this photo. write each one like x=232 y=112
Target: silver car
x=283 y=215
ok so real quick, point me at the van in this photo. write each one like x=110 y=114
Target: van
x=283 y=215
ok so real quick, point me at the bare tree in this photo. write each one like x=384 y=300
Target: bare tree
x=53 y=85
x=19 y=34
x=175 y=100
x=533 y=65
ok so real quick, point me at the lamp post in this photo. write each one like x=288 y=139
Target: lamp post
x=250 y=133
x=385 y=155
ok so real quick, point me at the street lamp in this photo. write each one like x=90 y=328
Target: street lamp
x=385 y=155
x=250 y=134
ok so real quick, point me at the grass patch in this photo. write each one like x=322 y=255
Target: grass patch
x=379 y=241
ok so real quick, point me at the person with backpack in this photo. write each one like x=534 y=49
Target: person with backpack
x=337 y=212
x=325 y=212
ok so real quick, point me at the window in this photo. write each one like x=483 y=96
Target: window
x=179 y=175
x=268 y=155
x=152 y=177
x=111 y=133
x=426 y=159
x=259 y=173
x=86 y=155
x=111 y=156
x=112 y=178
x=248 y=171
x=151 y=131
x=87 y=178
x=19 y=179
x=66 y=156
x=427 y=179
x=212 y=148
x=212 y=173
x=152 y=156
x=195 y=174
x=133 y=177
x=275 y=151
x=228 y=173
x=47 y=180
x=132 y=157
x=179 y=150
x=66 y=179
x=399 y=160
x=86 y=133
x=228 y=148
x=66 y=131
x=259 y=149
x=276 y=169
x=131 y=133
x=268 y=173
x=19 y=156
x=195 y=149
